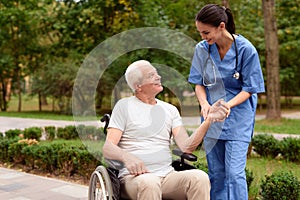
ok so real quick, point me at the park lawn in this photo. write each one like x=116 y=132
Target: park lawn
x=261 y=167
x=38 y=115
x=286 y=126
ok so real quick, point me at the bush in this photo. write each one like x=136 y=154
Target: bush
x=13 y=133
x=33 y=133
x=44 y=155
x=67 y=160
x=249 y=177
x=50 y=132
x=290 y=149
x=200 y=165
x=67 y=133
x=90 y=132
x=15 y=150
x=1 y=136
x=204 y=167
x=266 y=145
x=280 y=186
x=4 y=145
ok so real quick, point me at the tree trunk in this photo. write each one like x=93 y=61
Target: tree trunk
x=272 y=60
x=3 y=102
x=225 y=3
x=19 y=88
x=40 y=101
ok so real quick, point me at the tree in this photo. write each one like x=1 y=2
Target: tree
x=272 y=60
x=288 y=36
x=225 y=3
x=18 y=39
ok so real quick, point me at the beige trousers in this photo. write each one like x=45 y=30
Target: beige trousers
x=189 y=184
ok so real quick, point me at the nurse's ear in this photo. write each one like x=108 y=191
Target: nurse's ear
x=222 y=25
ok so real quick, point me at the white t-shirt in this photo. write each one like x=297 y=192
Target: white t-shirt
x=146 y=132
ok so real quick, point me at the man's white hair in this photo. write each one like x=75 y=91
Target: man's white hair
x=134 y=75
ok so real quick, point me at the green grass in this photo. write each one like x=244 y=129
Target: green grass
x=288 y=126
x=38 y=115
x=284 y=126
x=261 y=167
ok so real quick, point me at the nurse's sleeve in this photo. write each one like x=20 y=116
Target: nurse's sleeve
x=252 y=76
x=195 y=75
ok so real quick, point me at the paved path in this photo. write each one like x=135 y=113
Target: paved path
x=16 y=185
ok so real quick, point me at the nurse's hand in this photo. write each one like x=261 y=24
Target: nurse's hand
x=205 y=109
x=219 y=111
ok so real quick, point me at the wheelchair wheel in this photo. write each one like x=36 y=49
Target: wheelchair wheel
x=100 y=187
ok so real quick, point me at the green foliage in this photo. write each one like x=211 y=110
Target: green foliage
x=50 y=132
x=1 y=136
x=15 y=150
x=266 y=145
x=67 y=133
x=249 y=177
x=203 y=166
x=290 y=149
x=12 y=133
x=280 y=186
x=4 y=146
x=287 y=126
x=33 y=133
x=90 y=132
x=76 y=159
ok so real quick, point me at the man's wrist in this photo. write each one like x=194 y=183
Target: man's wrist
x=208 y=119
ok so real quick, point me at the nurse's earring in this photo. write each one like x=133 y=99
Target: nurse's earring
x=236 y=75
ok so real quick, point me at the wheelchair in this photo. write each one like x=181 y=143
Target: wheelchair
x=104 y=183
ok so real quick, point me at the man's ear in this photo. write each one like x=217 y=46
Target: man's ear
x=137 y=87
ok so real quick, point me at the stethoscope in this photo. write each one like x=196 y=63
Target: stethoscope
x=236 y=74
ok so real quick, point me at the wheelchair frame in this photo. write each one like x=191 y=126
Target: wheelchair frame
x=100 y=185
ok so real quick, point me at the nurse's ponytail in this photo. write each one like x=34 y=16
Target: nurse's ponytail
x=213 y=14
x=230 y=25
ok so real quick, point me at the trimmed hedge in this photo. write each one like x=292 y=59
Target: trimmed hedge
x=50 y=132
x=267 y=146
x=204 y=167
x=280 y=186
x=13 y=133
x=33 y=133
x=67 y=133
x=290 y=149
x=4 y=146
x=67 y=157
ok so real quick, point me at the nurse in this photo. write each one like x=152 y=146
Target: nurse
x=226 y=65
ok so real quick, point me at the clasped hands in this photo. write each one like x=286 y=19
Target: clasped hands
x=216 y=112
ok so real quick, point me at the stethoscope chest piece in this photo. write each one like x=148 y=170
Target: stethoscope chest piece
x=236 y=75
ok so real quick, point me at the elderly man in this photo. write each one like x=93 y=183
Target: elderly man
x=139 y=135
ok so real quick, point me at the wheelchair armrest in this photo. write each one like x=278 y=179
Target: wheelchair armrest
x=114 y=164
x=187 y=156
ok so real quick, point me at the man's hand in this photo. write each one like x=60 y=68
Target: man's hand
x=219 y=111
x=134 y=165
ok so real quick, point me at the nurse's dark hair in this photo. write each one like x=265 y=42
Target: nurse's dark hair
x=214 y=14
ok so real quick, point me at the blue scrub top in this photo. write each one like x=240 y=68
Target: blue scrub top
x=240 y=123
